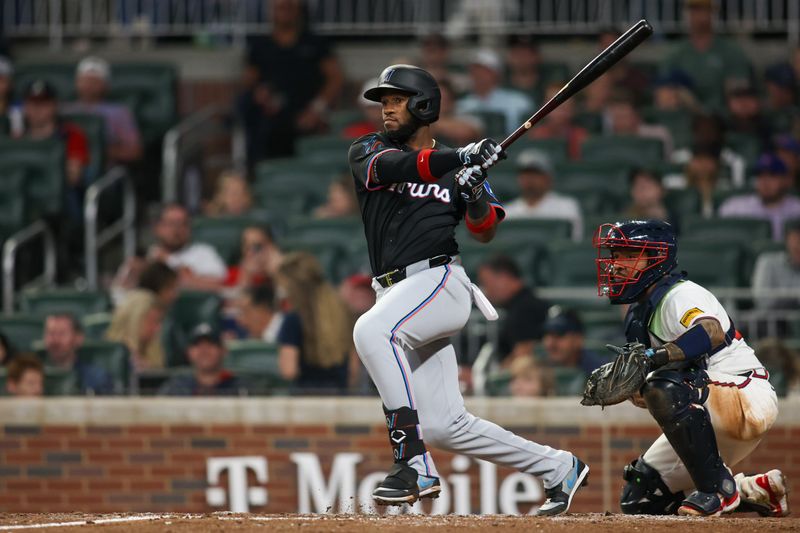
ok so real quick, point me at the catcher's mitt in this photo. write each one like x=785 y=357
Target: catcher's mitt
x=620 y=379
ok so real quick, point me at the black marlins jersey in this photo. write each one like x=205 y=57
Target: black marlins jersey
x=406 y=218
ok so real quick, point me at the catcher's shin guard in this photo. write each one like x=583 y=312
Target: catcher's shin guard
x=403 y=426
x=674 y=398
x=645 y=492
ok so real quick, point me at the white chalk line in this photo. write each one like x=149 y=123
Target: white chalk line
x=137 y=518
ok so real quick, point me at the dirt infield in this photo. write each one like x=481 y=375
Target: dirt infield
x=180 y=523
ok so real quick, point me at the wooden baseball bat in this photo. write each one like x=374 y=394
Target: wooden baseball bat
x=626 y=42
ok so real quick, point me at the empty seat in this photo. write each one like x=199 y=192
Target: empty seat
x=113 y=357
x=12 y=200
x=527 y=257
x=22 y=330
x=569 y=381
x=323 y=148
x=607 y=175
x=735 y=230
x=570 y=264
x=534 y=230
x=628 y=149
x=679 y=124
x=257 y=363
x=556 y=149
x=150 y=89
x=43 y=164
x=78 y=303
x=315 y=170
x=712 y=264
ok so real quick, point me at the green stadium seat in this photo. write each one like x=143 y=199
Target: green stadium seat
x=78 y=303
x=593 y=122
x=190 y=309
x=257 y=363
x=494 y=123
x=342 y=118
x=570 y=264
x=556 y=149
x=151 y=91
x=629 y=149
x=323 y=148
x=746 y=145
x=679 y=124
x=225 y=233
x=3 y=376
x=554 y=71
x=594 y=201
x=297 y=168
x=58 y=382
x=12 y=200
x=60 y=75
x=603 y=324
x=522 y=231
x=712 y=263
x=113 y=357
x=94 y=126
x=43 y=163
x=499 y=383
x=96 y=325
x=684 y=202
x=569 y=381
x=22 y=330
x=289 y=199
x=725 y=230
x=527 y=257
x=607 y=175
x=340 y=230
x=332 y=256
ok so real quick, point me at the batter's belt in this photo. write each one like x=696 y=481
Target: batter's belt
x=399 y=274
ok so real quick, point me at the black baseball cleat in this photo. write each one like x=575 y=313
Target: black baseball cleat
x=726 y=500
x=404 y=485
x=559 y=497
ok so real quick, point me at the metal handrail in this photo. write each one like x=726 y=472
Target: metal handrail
x=10 y=248
x=125 y=225
x=170 y=170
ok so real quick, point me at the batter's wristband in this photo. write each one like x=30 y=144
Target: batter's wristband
x=424 y=165
x=486 y=225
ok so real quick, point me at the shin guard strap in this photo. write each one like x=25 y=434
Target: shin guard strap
x=403 y=433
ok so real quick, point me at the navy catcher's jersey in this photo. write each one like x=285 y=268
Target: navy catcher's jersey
x=405 y=218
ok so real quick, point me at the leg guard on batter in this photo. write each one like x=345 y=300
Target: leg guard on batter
x=404 y=434
x=645 y=492
x=675 y=398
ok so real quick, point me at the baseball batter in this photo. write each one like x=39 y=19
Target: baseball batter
x=707 y=389
x=413 y=192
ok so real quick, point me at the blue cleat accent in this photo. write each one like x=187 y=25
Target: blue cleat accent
x=559 y=497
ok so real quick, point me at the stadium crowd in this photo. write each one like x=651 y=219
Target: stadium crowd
x=698 y=137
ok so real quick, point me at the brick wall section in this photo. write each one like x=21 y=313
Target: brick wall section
x=163 y=467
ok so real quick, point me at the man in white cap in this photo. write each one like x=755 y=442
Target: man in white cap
x=123 y=141
x=537 y=198
x=485 y=70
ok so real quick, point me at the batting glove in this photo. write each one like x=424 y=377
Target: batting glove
x=484 y=153
x=470 y=182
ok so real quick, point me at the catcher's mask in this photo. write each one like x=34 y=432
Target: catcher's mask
x=651 y=253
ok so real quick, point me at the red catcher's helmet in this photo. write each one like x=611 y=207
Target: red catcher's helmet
x=622 y=281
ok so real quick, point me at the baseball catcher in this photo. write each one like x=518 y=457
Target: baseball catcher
x=689 y=366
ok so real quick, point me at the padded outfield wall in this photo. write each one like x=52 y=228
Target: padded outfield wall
x=301 y=454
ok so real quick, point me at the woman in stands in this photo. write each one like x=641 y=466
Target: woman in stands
x=315 y=338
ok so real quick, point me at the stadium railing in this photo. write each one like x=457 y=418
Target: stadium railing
x=11 y=248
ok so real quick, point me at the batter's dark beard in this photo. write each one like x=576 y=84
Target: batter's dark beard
x=402 y=134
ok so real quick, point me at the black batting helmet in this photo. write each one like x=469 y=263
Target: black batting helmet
x=425 y=97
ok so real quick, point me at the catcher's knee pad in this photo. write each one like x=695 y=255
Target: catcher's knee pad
x=668 y=393
x=403 y=426
x=645 y=492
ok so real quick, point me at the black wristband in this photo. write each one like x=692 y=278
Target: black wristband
x=478 y=209
x=444 y=161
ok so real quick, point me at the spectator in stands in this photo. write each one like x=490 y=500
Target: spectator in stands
x=435 y=57
x=708 y=135
x=63 y=337
x=485 y=70
x=624 y=119
x=137 y=320
x=537 y=199
x=292 y=78
x=341 y=202
x=781 y=86
x=40 y=109
x=672 y=91
x=772 y=200
x=199 y=265
x=232 y=197
x=702 y=174
x=624 y=74
x=560 y=124
x=708 y=59
x=372 y=115
x=745 y=116
x=501 y=280
x=357 y=294
x=523 y=60
x=788 y=149
x=92 y=82
x=25 y=378
x=454 y=128
x=206 y=354
x=6 y=350
x=564 y=342
x=647 y=196
x=315 y=338
x=530 y=379
x=260 y=257
x=259 y=315
x=779 y=270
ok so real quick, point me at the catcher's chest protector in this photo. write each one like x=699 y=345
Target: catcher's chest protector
x=639 y=314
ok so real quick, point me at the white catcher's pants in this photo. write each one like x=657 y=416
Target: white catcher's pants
x=403 y=342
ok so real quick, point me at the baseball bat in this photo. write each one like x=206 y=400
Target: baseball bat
x=596 y=68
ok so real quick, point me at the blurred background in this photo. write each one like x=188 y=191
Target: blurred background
x=178 y=217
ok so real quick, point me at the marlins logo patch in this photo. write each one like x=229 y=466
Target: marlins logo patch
x=687 y=317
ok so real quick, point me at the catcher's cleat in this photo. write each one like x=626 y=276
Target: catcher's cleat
x=404 y=485
x=559 y=497
x=767 y=494
x=712 y=503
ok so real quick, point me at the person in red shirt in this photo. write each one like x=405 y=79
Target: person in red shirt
x=40 y=110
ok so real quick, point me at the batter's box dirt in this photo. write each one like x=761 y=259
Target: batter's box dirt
x=180 y=523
